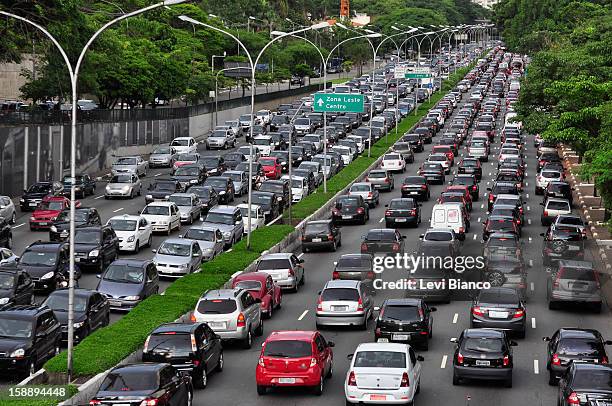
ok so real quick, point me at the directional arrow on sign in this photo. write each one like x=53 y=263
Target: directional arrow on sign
x=320 y=102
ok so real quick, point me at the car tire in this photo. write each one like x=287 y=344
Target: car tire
x=9 y=242
x=318 y=389
x=260 y=329
x=508 y=383
x=456 y=380
x=262 y=390
x=425 y=346
x=137 y=247
x=522 y=333
x=150 y=240
x=247 y=343
x=552 y=305
x=201 y=380
x=169 y=228
x=596 y=308
x=552 y=380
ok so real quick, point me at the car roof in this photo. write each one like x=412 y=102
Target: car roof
x=319 y=222
x=182 y=138
x=397 y=347
x=557 y=199
x=131 y=262
x=249 y=276
x=186 y=194
x=126 y=217
x=300 y=335
x=45 y=246
x=221 y=294
x=25 y=311
x=482 y=332
x=144 y=366
x=176 y=240
x=176 y=327
x=341 y=283
x=279 y=255
x=403 y=302
x=166 y=204
x=224 y=209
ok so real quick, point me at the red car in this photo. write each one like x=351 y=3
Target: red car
x=271 y=166
x=48 y=210
x=444 y=149
x=294 y=358
x=261 y=286
x=463 y=189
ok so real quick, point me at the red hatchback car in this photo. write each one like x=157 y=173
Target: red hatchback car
x=271 y=166
x=261 y=286
x=294 y=358
x=48 y=210
x=461 y=189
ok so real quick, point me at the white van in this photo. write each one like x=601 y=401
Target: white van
x=449 y=215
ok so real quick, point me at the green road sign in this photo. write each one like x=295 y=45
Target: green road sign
x=417 y=75
x=338 y=102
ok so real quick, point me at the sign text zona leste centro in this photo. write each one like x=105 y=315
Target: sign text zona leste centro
x=338 y=102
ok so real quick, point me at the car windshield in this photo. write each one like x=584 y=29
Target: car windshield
x=14 y=328
x=217 y=306
x=354 y=262
x=347 y=203
x=121 y=179
x=380 y=359
x=126 y=161
x=319 y=228
x=59 y=302
x=201 y=192
x=261 y=141
x=235 y=177
x=400 y=312
x=576 y=221
x=130 y=381
x=7 y=281
x=248 y=285
x=302 y=121
x=181 y=200
x=39 y=188
x=164 y=187
x=261 y=199
x=80 y=216
x=340 y=294
x=501 y=242
x=87 y=237
x=267 y=161
x=54 y=206
x=180 y=143
x=594 y=380
x=36 y=258
x=271 y=187
x=175 y=248
x=579 y=346
x=187 y=158
x=550 y=174
x=124 y=273
x=162 y=151
x=216 y=182
x=436 y=158
x=297 y=183
x=288 y=349
x=122 y=225
x=182 y=171
x=154 y=210
x=481 y=344
x=220 y=218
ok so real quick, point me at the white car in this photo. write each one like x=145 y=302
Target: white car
x=508 y=152
x=316 y=139
x=134 y=232
x=258 y=218
x=345 y=152
x=441 y=159
x=545 y=177
x=184 y=145
x=264 y=144
x=383 y=373
x=245 y=150
x=359 y=141
x=299 y=187
x=163 y=216
x=129 y=165
x=234 y=125
x=264 y=116
x=394 y=162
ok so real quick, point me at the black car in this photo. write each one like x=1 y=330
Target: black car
x=499 y=224
x=426 y=133
x=146 y=383
x=573 y=344
x=499 y=308
x=483 y=354
x=350 y=209
x=215 y=165
x=382 y=240
x=405 y=321
x=47 y=263
x=277 y=142
x=161 y=189
x=258 y=172
x=91 y=311
x=6 y=233
x=469 y=181
x=406 y=150
x=278 y=120
x=547 y=157
x=83 y=185
x=191 y=347
x=29 y=336
x=279 y=187
x=268 y=202
x=402 y=211
x=207 y=195
x=16 y=286
x=33 y=195
x=501 y=188
x=562 y=241
x=189 y=175
x=470 y=166
x=232 y=159
x=416 y=186
x=95 y=247
x=321 y=234
x=558 y=189
x=433 y=172
x=223 y=186
x=83 y=216
x=586 y=385
x=415 y=141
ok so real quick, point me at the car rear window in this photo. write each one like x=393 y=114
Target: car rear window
x=288 y=349
x=593 y=380
x=380 y=235
x=130 y=380
x=340 y=294
x=554 y=205
x=217 y=306
x=580 y=274
x=316 y=228
x=438 y=236
x=400 y=312
x=170 y=342
x=380 y=359
x=279 y=263
x=415 y=180
x=496 y=297
x=402 y=204
x=578 y=346
x=479 y=344
x=354 y=263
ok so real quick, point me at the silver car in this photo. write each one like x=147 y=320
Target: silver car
x=221 y=139
x=574 y=282
x=189 y=206
x=344 y=303
x=130 y=164
x=176 y=257
x=367 y=191
x=162 y=157
x=210 y=240
x=228 y=219
x=7 y=209
x=123 y=185
x=240 y=180
x=286 y=269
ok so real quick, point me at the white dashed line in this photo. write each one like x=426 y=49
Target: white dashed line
x=528 y=208
x=381 y=220
x=526 y=183
x=301 y=255
x=19 y=225
x=531 y=264
x=530 y=239
x=533 y=323
x=443 y=363
x=303 y=314
x=482 y=206
x=527 y=195
x=455 y=318
x=479 y=220
x=536 y=367
x=158 y=174
x=490 y=174
x=475 y=236
x=529 y=221
x=488 y=183
x=118 y=210
x=99 y=197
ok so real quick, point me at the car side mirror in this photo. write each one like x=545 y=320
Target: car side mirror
x=403 y=237
x=453 y=340
x=489 y=189
x=421 y=236
x=608 y=342
x=546 y=339
x=433 y=309
x=154 y=251
x=513 y=343
x=331 y=344
x=99 y=276
x=420 y=358
x=349 y=356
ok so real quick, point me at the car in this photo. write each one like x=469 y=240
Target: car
x=189 y=175
x=547 y=157
x=585 y=381
x=499 y=308
x=130 y=165
x=224 y=187
x=303 y=126
x=383 y=241
x=434 y=172
x=470 y=166
x=444 y=149
x=483 y=354
x=95 y=247
x=137 y=384
x=501 y=188
x=499 y=223
x=91 y=311
x=416 y=186
x=189 y=159
x=7 y=209
x=569 y=345
x=133 y=232
x=367 y=191
x=261 y=286
x=552 y=208
x=47 y=264
x=281 y=188
x=233 y=314
x=271 y=166
x=508 y=210
x=393 y=162
x=240 y=180
x=47 y=211
x=33 y=195
x=406 y=150
x=545 y=177
x=470 y=182
x=233 y=159
x=127 y=282
x=16 y=286
x=299 y=187
x=478 y=149
x=163 y=157
x=83 y=185
x=228 y=219
x=381 y=179
x=402 y=211
x=344 y=303
x=176 y=257
x=83 y=216
x=321 y=234
x=575 y=282
x=210 y=240
x=294 y=358
x=221 y=139
x=286 y=270
x=163 y=216
x=441 y=159
x=404 y=321
x=257 y=218
x=188 y=205
x=385 y=373
x=358 y=267
x=184 y=145
x=264 y=144
x=268 y=202
x=559 y=189
x=349 y=209
x=214 y=165
x=572 y=220
x=207 y=195
x=415 y=141
x=29 y=336
x=450 y=215
x=123 y=185
x=161 y=189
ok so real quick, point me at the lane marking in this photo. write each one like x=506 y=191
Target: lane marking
x=482 y=206
x=19 y=225
x=158 y=174
x=303 y=314
x=301 y=255
x=443 y=363
x=527 y=195
x=526 y=183
x=533 y=322
x=99 y=197
x=455 y=318
x=536 y=367
x=478 y=220
x=381 y=220
x=118 y=210
x=531 y=264
x=490 y=174
x=530 y=239
x=475 y=236
x=528 y=208
x=532 y=285
x=488 y=183
x=529 y=221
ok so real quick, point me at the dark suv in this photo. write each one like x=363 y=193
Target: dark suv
x=29 y=336
x=35 y=193
x=16 y=286
x=84 y=185
x=161 y=189
x=95 y=246
x=405 y=321
x=562 y=241
x=47 y=263
x=83 y=216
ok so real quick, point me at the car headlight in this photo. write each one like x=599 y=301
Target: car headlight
x=108 y=188
x=48 y=275
x=131 y=239
x=125 y=189
x=79 y=324
x=94 y=253
x=194 y=181
x=227 y=234
x=4 y=300
x=162 y=222
x=222 y=192
x=53 y=229
x=184 y=266
x=132 y=298
x=19 y=353
x=22 y=200
x=206 y=251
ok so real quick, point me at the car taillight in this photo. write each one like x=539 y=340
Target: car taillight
x=491 y=198
x=351 y=379
x=377 y=331
x=555 y=360
x=241 y=321
x=413 y=212
x=405 y=381
x=360 y=210
x=546 y=212
x=94 y=402
x=364 y=247
x=459 y=358
x=150 y=402
x=604 y=360
x=330 y=237
x=360 y=305
x=369 y=194
x=506 y=361
x=423 y=187
x=572 y=399
x=461 y=230
x=261 y=362
x=386 y=180
x=521 y=210
x=192 y=318
x=319 y=304
x=477 y=311
x=387 y=212
x=291 y=272
x=396 y=247
x=474 y=188
x=335 y=275
x=518 y=314
x=421 y=313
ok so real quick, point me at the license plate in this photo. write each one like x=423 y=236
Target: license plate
x=498 y=315
x=346 y=218
x=482 y=363
x=114 y=303
x=401 y=337
x=573 y=248
x=382 y=340
x=400 y=220
x=43 y=223
x=286 y=380
x=414 y=193
x=217 y=325
x=339 y=308
x=77 y=260
x=316 y=240
x=33 y=204
x=378 y=397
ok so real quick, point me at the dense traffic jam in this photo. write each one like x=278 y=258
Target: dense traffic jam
x=431 y=180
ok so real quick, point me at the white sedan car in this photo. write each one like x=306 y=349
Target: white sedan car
x=545 y=177
x=383 y=373
x=258 y=218
x=441 y=159
x=133 y=232
x=163 y=216
x=393 y=162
